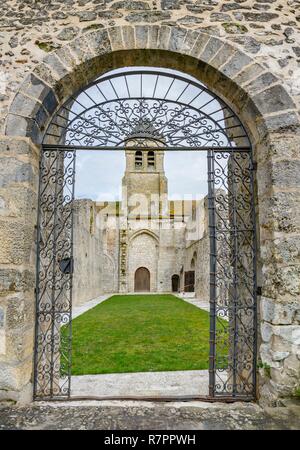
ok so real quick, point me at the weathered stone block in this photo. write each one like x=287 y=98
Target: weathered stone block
x=141 y=35
x=235 y=64
x=15 y=377
x=190 y=38
x=17 y=242
x=248 y=73
x=177 y=40
x=273 y=99
x=116 y=39
x=279 y=356
x=199 y=45
x=27 y=107
x=80 y=48
x=280 y=280
x=128 y=36
x=286 y=174
x=211 y=48
x=19 y=344
x=267 y=357
x=261 y=82
x=10 y=146
x=170 y=4
x=220 y=17
x=281 y=123
x=259 y=17
x=23 y=126
x=283 y=250
x=148 y=16
x=99 y=41
x=15 y=172
x=280 y=212
x=222 y=56
x=34 y=87
x=249 y=44
x=278 y=313
x=164 y=37
x=190 y=21
x=153 y=36
x=13 y=280
x=287 y=146
x=289 y=333
x=130 y=5
x=68 y=33
x=86 y=16
x=266 y=331
x=56 y=65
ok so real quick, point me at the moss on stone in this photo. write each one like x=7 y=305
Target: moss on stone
x=234 y=27
x=46 y=46
x=93 y=26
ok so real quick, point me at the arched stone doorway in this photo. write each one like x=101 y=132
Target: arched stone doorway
x=233 y=76
x=185 y=126
x=142 y=280
x=175 y=283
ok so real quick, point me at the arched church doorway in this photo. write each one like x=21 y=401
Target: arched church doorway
x=142 y=280
x=192 y=118
x=175 y=283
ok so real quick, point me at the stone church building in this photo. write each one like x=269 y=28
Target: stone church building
x=146 y=242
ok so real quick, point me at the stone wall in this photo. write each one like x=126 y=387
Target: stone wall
x=248 y=52
x=197 y=249
x=266 y=30
x=88 y=254
x=18 y=213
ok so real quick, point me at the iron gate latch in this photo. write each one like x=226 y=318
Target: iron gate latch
x=66 y=265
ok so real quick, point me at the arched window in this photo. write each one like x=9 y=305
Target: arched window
x=151 y=159
x=193 y=261
x=138 y=159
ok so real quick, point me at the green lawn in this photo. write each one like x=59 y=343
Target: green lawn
x=140 y=333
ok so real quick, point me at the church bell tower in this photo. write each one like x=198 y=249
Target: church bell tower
x=144 y=185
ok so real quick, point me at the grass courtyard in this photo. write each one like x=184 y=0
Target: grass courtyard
x=140 y=333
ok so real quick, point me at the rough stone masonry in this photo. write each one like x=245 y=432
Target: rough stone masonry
x=248 y=52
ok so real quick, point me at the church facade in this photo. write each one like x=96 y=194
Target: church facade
x=146 y=242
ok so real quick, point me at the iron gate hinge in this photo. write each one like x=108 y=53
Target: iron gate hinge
x=254 y=165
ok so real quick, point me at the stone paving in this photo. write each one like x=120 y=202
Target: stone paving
x=78 y=310
x=129 y=415
x=182 y=383
x=199 y=302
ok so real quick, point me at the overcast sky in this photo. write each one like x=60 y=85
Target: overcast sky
x=99 y=173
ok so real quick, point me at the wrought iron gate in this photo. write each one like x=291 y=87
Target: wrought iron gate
x=102 y=117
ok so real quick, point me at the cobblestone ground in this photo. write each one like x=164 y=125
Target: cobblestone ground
x=116 y=415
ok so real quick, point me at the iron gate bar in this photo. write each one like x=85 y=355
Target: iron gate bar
x=165 y=149
x=212 y=296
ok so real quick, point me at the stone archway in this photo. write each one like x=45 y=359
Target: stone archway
x=267 y=112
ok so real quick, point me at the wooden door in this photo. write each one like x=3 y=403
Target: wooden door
x=142 y=280
x=175 y=283
x=189 y=281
